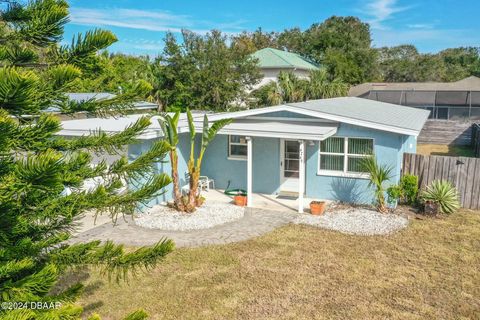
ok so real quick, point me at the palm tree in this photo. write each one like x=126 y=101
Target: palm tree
x=379 y=174
x=290 y=88
x=286 y=85
x=320 y=87
x=194 y=165
x=169 y=127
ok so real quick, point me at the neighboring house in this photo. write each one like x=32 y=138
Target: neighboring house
x=272 y=61
x=138 y=107
x=310 y=149
x=458 y=101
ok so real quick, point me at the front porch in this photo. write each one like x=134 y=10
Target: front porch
x=266 y=157
x=270 y=202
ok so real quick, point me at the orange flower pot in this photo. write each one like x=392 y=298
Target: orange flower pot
x=317 y=207
x=240 y=200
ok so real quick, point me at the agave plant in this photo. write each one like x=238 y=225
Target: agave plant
x=444 y=194
x=379 y=174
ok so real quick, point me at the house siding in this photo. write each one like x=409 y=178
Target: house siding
x=233 y=173
x=183 y=149
x=389 y=149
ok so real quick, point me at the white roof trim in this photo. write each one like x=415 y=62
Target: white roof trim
x=267 y=134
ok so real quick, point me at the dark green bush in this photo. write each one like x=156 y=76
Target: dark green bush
x=409 y=186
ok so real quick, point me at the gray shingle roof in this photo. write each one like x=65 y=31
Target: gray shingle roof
x=369 y=111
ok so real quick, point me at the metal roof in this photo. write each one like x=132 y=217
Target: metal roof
x=273 y=58
x=368 y=113
x=356 y=111
x=85 y=96
x=468 y=84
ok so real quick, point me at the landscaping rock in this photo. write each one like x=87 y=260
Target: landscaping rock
x=358 y=221
x=207 y=216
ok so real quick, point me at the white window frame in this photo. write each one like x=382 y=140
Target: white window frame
x=345 y=155
x=229 y=152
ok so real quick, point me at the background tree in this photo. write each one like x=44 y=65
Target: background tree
x=343 y=46
x=249 y=42
x=203 y=72
x=405 y=64
x=398 y=64
x=461 y=62
x=117 y=73
x=36 y=166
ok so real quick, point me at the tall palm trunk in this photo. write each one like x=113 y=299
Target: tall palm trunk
x=177 y=195
x=193 y=193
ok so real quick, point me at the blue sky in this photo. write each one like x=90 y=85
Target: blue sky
x=140 y=25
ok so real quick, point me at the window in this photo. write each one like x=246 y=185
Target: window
x=343 y=156
x=237 y=147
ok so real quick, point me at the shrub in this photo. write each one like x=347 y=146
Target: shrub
x=394 y=193
x=444 y=194
x=379 y=174
x=409 y=186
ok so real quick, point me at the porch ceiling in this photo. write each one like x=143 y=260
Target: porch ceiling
x=301 y=130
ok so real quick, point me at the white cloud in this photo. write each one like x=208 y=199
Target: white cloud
x=150 y=20
x=380 y=11
x=420 y=26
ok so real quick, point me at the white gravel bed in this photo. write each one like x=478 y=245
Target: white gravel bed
x=207 y=216
x=356 y=221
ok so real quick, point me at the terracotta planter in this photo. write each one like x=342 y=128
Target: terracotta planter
x=240 y=200
x=317 y=207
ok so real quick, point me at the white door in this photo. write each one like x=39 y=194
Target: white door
x=289 y=165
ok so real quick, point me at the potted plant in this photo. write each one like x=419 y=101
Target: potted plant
x=317 y=207
x=240 y=198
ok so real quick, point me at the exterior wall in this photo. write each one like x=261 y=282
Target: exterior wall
x=389 y=149
x=271 y=74
x=183 y=150
x=233 y=173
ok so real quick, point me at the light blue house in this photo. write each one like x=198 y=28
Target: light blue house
x=311 y=149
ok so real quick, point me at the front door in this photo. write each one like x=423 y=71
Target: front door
x=289 y=165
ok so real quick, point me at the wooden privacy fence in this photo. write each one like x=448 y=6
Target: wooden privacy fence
x=463 y=172
x=476 y=139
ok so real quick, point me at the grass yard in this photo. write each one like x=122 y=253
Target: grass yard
x=430 y=270
x=445 y=150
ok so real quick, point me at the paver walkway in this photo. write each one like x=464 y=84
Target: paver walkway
x=254 y=223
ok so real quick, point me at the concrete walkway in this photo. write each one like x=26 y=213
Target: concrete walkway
x=255 y=223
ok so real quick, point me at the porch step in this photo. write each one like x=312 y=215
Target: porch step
x=288 y=194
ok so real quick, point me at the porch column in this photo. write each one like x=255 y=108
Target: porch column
x=249 y=172
x=301 y=173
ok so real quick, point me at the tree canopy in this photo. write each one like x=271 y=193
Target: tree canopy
x=42 y=174
x=202 y=72
x=213 y=71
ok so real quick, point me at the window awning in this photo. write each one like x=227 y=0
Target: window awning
x=301 y=130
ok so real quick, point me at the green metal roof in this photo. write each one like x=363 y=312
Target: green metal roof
x=273 y=58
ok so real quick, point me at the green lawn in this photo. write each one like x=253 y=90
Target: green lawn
x=430 y=270
x=445 y=150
